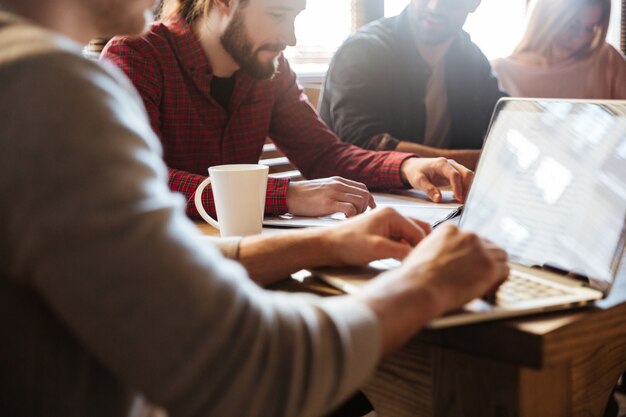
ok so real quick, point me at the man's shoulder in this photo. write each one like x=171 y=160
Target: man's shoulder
x=381 y=32
x=283 y=80
x=46 y=81
x=382 y=29
x=35 y=62
x=466 y=45
x=30 y=51
x=154 y=42
x=612 y=53
x=378 y=38
x=465 y=53
x=21 y=41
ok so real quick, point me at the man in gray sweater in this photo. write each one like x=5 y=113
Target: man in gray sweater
x=109 y=301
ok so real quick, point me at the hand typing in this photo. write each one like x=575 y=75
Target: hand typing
x=459 y=265
x=448 y=268
x=382 y=233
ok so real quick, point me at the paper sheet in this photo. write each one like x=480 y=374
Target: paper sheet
x=410 y=203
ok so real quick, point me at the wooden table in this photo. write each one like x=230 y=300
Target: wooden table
x=563 y=364
x=557 y=365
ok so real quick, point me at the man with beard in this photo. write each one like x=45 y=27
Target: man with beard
x=216 y=85
x=413 y=83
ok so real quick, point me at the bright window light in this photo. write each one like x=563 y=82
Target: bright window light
x=496 y=27
x=616 y=12
x=320 y=29
x=394 y=7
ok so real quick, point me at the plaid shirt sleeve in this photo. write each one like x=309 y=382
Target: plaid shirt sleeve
x=141 y=65
x=305 y=139
x=187 y=183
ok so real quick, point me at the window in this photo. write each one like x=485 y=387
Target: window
x=320 y=29
x=496 y=27
x=613 y=37
x=394 y=7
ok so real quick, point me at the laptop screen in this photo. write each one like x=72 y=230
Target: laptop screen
x=551 y=185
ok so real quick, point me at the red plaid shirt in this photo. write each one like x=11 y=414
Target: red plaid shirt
x=172 y=74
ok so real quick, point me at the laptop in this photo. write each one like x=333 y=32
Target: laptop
x=550 y=188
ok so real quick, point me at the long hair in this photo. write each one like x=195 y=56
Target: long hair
x=549 y=18
x=189 y=10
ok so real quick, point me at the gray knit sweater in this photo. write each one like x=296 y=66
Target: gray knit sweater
x=106 y=294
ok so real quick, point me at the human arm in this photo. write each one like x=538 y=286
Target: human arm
x=94 y=232
x=187 y=183
x=316 y=151
x=315 y=198
x=228 y=246
x=357 y=93
x=362 y=85
x=360 y=89
x=383 y=233
x=429 y=174
x=355 y=104
x=466 y=157
x=103 y=244
x=324 y=196
x=447 y=269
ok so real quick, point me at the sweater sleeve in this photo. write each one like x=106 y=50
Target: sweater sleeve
x=95 y=231
x=228 y=246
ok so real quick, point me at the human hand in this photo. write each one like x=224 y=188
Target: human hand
x=428 y=173
x=325 y=196
x=446 y=270
x=458 y=266
x=382 y=233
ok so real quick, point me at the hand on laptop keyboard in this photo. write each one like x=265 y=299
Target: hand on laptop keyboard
x=447 y=269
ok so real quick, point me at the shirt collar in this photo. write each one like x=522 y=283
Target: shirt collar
x=196 y=64
x=187 y=47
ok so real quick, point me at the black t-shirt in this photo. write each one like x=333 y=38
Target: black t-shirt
x=222 y=90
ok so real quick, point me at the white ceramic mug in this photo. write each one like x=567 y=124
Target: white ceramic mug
x=239 y=197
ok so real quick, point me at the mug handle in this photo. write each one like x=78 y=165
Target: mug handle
x=200 y=208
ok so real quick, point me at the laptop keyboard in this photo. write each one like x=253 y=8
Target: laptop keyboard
x=518 y=288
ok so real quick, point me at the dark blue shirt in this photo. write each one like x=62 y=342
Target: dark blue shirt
x=376 y=85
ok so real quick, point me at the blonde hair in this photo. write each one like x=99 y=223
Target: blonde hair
x=189 y=10
x=549 y=18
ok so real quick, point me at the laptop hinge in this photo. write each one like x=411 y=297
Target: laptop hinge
x=563 y=272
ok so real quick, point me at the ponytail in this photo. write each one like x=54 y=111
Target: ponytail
x=189 y=10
